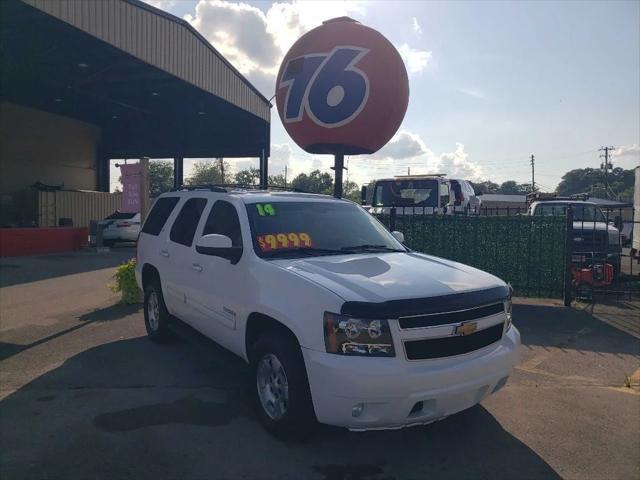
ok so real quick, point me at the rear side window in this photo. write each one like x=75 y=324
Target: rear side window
x=184 y=228
x=223 y=220
x=159 y=214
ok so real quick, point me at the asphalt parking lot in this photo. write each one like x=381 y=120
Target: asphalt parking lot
x=83 y=394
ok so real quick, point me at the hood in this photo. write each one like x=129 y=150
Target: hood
x=598 y=226
x=389 y=276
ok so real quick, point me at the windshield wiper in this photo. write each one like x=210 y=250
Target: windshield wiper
x=369 y=247
x=308 y=252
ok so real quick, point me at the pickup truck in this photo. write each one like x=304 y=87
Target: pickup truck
x=596 y=243
x=340 y=322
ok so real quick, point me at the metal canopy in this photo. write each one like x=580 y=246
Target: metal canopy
x=143 y=110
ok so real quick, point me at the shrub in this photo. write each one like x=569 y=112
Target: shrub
x=126 y=283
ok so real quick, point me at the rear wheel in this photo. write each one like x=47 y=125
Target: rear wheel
x=156 y=316
x=283 y=398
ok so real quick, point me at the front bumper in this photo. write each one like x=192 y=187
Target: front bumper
x=391 y=389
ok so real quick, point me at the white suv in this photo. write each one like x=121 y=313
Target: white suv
x=341 y=323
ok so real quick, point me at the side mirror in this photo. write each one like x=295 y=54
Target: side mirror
x=218 y=246
x=399 y=236
x=617 y=222
x=363 y=195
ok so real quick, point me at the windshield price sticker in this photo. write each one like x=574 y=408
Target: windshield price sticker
x=275 y=241
x=265 y=209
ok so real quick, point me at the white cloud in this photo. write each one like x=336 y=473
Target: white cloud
x=281 y=156
x=456 y=164
x=417 y=29
x=627 y=156
x=471 y=92
x=403 y=145
x=161 y=4
x=407 y=150
x=239 y=32
x=415 y=60
x=254 y=41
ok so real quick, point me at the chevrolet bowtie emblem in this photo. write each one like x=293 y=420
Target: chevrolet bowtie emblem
x=466 y=328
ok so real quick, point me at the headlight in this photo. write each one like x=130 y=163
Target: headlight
x=345 y=335
x=614 y=237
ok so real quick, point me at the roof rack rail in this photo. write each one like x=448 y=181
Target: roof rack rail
x=555 y=196
x=537 y=196
x=190 y=188
x=223 y=187
x=258 y=187
x=422 y=175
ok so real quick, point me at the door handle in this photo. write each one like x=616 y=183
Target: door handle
x=197 y=267
x=164 y=253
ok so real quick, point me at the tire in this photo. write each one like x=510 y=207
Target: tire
x=297 y=421
x=156 y=316
x=109 y=243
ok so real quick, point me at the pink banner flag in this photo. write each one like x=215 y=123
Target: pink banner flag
x=130 y=188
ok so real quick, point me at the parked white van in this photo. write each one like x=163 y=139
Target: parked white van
x=341 y=323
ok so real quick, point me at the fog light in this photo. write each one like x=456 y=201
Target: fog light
x=501 y=383
x=357 y=410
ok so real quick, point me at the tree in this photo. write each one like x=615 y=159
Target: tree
x=485 y=187
x=315 y=182
x=160 y=177
x=277 y=181
x=511 y=187
x=619 y=183
x=250 y=176
x=351 y=191
x=208 y=172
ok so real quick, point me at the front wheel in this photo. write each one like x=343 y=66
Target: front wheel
x=156 y=316
x=283 y=398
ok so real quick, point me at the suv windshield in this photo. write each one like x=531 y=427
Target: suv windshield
x=407 y=193
x=295 y=229
x=581 y=212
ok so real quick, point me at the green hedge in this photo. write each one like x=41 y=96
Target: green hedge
x=528 y=252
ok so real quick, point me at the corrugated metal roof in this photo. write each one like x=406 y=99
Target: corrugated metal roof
x=162 y=40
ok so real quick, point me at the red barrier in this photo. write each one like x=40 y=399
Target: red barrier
x=18 y=242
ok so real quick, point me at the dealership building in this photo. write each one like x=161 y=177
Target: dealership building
x=84 y=82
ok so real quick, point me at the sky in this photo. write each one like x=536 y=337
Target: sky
x=491 y=83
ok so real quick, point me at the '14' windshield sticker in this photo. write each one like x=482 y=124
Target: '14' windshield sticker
x=265 y=209
x=275 y=241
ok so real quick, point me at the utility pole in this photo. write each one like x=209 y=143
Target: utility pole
x=347 y=169
x=408 y=171
x=285 y=176
x=606 y=166
x=533 y=173
x=221 y=168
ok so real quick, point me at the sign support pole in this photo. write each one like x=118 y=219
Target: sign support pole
x=338 y=167
x=144 y=188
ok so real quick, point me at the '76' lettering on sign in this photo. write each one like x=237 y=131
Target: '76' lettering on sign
x=327 y=86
